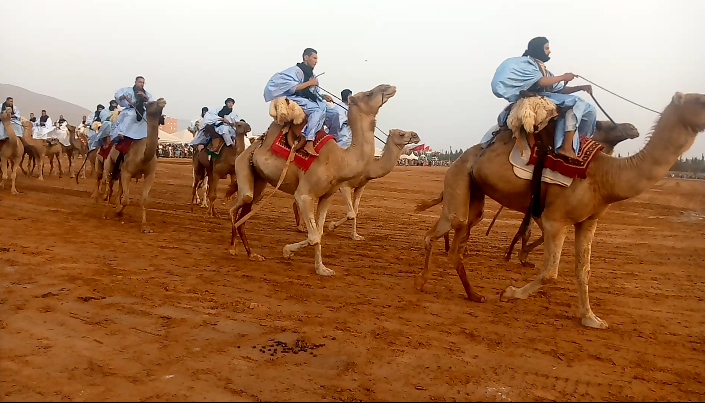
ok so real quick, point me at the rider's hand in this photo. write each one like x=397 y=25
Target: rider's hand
x=313 y=82
x=568 y=77
x=587 y=88
x=328 y=98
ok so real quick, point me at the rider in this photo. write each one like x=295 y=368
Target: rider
x=528 y=73
x=213 y=126
x=132 y=121
x=298 y=84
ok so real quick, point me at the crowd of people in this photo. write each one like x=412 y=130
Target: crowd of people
x=174 y=150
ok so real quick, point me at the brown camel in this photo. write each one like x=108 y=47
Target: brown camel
x=42 y=149
x=258 y=166
x=609 y=180
x=396 y=141
x=215 y=168
x=11 y=151
x=76 y=146
x=456 y=192
x=140 y=161
x=97 y=160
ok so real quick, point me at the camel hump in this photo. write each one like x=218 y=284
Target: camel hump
x=531 y=114
x=95 y=126
x=285 y=111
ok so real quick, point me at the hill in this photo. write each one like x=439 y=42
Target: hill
x=28 y=101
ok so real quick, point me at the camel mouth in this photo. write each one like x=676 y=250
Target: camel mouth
x=388 y=93
x=415 y=139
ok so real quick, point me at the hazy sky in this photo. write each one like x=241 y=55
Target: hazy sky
x=441 y=55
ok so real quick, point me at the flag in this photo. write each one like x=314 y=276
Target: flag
x=419 y=148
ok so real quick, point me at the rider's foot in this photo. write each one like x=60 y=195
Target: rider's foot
x=309 y=148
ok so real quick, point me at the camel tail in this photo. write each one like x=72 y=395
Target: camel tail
x=427 y=204
x=522 y=230
x=493 y=220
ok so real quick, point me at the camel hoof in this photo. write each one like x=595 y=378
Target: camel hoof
x=14 y=192
x=510 y=293
x=146 y=230
x=594 y=322
x=233 y=251
x=287 y=252
x=357 y=237
x=331 y=227
x=324 y=271
x=419 y=282
x=256 y=258
x=477 y=298
x=528 y=264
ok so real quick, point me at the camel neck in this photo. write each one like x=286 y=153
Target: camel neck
x=361 y=150
x=385 y=164
x=624 y=178
x=150 y=150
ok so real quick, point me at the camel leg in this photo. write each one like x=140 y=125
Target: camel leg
x=4 y=166
x=555 y=235
x=245 y=195
x=213 y=180
x=51 y=165
x=148 y=182
x=206 y=189
x=584 y=233
x=356 y=206
x=460 y=238
x=58 y=163
x=297 y=217
x=314 y=235
x=446 y=238
x=346 y=191
x=123 y=197
x=194 y=190
x=21 y=167
x=526 y=249
x=259 y=187
x=13 y=176
x=71 y=173
x=439 y=229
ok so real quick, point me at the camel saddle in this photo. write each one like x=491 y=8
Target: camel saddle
x=290 y=115
x=216 y=142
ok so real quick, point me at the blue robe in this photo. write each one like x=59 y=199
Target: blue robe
x=226 y=131
x=344 y=138
x=15 y=122
x=127 y=123
x=95 y=138
x=283 y=84
x=522 y=74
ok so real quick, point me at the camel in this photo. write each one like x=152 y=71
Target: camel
x=76 y=145
x=396 y=141
x=140 y=161
x=41 y=149
x=608 y=181
x=11 y=151
x=258 y=166
x=215 y=168
x=456 y=192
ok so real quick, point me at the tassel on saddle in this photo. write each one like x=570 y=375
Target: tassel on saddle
x=294 y=136
x=544 y=146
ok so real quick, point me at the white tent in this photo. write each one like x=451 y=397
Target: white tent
x=184 y=136
x=165 y=137
x=412 y=157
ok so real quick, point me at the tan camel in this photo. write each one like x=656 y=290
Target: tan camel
x=140 y=161
x=396 y=141
x=456 y=192
x=258 y=166
x=42 y=150
x=215 y=168
x=11 y=151
x=76 y=146
x=609 y=180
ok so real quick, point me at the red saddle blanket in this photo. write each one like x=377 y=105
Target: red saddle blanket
x=123 y=146
x=572 y=168
x=302 y=158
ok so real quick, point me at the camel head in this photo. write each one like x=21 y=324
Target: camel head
x=369 y=102
x=242 y=127
x=113 y=116
x=155 y=108
x=689 y=109
x=401 y=138
x=609 y=133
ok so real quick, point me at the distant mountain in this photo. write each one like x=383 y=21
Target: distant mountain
x=31 y=102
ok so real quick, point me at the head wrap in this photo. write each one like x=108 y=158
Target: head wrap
x=535 y=49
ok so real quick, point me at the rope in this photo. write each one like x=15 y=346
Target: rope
x=617 y=95
x=346 y=108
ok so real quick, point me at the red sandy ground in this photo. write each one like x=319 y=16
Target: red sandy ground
x=94 y=310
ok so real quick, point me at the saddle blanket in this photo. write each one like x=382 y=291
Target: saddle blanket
x=302 y=158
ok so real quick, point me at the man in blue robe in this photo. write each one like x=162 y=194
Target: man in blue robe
x=528 y=73
x=15 y=119
x=106 y=128
x=298 y=84
x=214 y=126
x=132 y=121
x=344 y=138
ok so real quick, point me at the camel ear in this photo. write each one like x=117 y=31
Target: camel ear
x=352 y=100
x=679 y=98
